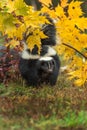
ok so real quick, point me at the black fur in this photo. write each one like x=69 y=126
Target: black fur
x=50 y=31
x=36 y=72
x=29 y=71
x=49 y=71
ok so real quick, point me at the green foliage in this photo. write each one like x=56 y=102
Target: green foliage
x=74 y=120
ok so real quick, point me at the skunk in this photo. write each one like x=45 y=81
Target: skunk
x=41 y=68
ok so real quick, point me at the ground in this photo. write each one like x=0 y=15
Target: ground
x=62 y=107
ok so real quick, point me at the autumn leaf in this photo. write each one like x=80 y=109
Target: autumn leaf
x=48 y=11
x=32 y=41
x=45 y=2
x=10 y=6
x=74 y=9
x=3 y=3
x=7 y=22
x=35 y=39
x=80 y=75
x=13 y=43
x=60 y=12
x=64 y=3
x=18 y=6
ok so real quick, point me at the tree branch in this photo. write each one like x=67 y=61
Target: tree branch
x=75 y=50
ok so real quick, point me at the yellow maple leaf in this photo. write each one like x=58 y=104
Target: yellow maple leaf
x=79 y=22
x=32 y=41
x=80 y=74
x=19 y=32
x=60 y=12
x=45 y=2
x=34 y=19
x=74 y=9
x=3 y=4
x=35 y=38
x=13 y=43
x=64 y=3
x=42 y=35
x=10 y=5
x=16 y=32
x=79 y=82
x=17 y=6
x=48 y=11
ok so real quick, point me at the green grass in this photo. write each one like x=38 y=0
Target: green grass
x=70 y=121
x=62 y=107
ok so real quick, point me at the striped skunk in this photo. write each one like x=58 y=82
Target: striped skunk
x=41 y=68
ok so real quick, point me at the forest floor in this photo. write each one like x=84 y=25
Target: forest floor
x=62 y=107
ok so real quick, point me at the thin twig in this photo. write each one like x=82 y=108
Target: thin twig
x=75 y=50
